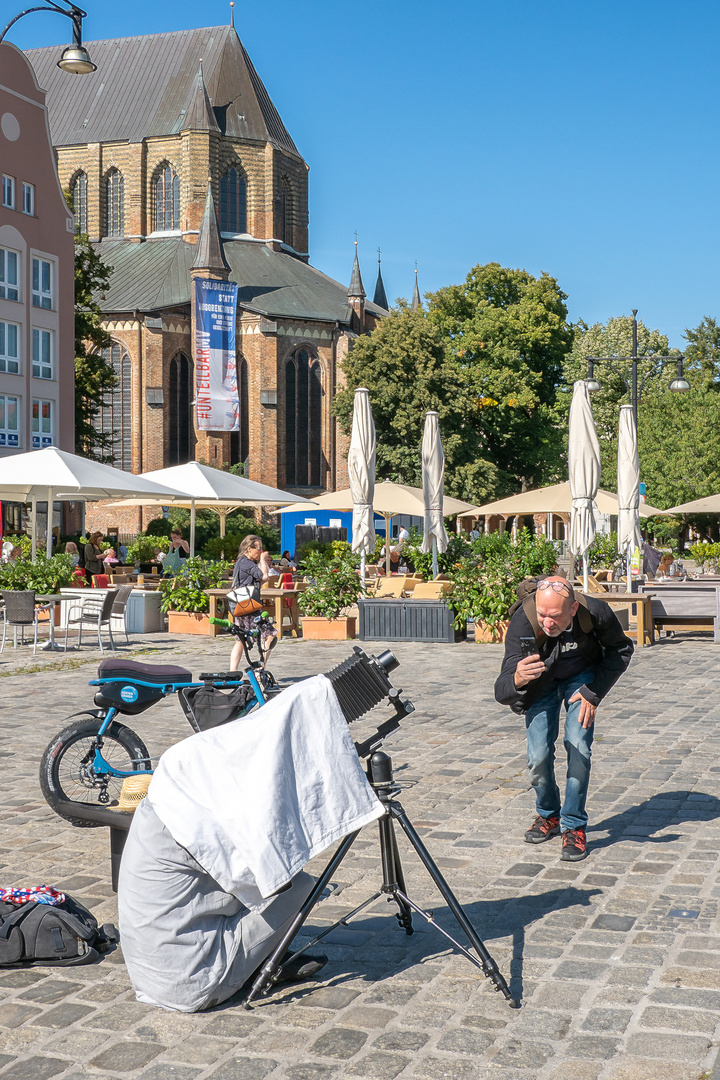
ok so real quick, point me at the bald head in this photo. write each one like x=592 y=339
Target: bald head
x=555 y=604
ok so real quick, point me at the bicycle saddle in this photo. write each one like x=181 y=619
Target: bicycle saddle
x=161 y=674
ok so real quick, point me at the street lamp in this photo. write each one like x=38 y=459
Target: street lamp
x=75 y=58
x=678 y=385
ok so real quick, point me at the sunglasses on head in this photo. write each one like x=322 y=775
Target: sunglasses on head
x=556 y=586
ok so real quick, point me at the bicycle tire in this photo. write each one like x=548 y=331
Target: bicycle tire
x=64 y=775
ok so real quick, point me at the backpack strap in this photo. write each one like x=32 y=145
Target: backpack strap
x=583 y=613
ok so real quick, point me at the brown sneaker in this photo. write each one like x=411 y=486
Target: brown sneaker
x=542 y=829
x=573 y=845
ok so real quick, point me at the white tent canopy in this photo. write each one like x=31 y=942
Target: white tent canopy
x=554 y=499
x=56 y=474
x=202 y=487
x=710 y=504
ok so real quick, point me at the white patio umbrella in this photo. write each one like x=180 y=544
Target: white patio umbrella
x=435 y=538
x=361 y=473
x=201 y=487
x=555 y=499
x=583 y=473
x=56 y=474
x=628 y=486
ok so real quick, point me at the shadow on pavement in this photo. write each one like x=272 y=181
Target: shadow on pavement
x=653 y=815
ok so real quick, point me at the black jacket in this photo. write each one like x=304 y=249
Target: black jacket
x=607 y=647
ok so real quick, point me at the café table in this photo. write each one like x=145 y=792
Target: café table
x=52 y=599
x=643 y=604
x=281 y=601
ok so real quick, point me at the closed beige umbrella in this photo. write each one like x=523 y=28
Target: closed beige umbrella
x=435 y=538
x=583 y=473
x=361 y=473
x=628 y=486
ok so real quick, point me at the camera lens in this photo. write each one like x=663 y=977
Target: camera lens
x=387 y=660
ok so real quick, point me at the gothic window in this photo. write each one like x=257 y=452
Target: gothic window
x=303 y=421
x=115 y=414
x=78 y=190
x=240 y=440
x=233 y=202
x=284 y=224
x=114 y=204
x=180 y=422
x=167 y=199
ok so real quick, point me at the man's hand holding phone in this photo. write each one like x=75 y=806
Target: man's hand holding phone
x=530 y=667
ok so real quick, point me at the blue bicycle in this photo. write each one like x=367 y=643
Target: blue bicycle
x=88 y=761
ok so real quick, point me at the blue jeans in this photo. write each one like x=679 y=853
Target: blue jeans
x=542 y=721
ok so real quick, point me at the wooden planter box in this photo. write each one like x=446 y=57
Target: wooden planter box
x=408 y=620
x=315 y=628
x=190 y=622
x=487 y=636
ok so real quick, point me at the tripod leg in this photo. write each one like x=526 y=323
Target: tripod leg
x=271 y=965
x=488 y=964
x=393 y=877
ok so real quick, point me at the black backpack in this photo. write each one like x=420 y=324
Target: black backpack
x=59 y=935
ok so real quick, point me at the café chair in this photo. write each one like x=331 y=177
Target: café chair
x=19 y=610
x=100 y=581
x=95 y=611
x=119 y=608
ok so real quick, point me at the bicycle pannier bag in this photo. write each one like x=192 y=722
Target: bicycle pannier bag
x=59 y=935
x=246 y=599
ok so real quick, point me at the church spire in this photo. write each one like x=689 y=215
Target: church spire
x=356 y=290
x=209 y=255
x=416 y=302
x=199 y=115
x=379 y=297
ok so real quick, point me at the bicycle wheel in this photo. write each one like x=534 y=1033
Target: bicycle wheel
x=67 y=773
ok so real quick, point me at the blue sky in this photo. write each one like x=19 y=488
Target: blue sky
x=577 y=138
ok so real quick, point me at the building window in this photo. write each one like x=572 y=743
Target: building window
x=115 y=415
x=9 y=359
x=114 y=204
x=233 y=202
x=167 y=200
x=42 y=424
x=8 y=192
x=9 y=275
x=303 y=421
x=42 y=354
x=78 y=190
x=28 y=198
x=9 y=421
x=240 y=440
x=180 y=422
x=41 y=283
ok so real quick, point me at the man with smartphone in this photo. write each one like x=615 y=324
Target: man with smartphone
x=560 y=649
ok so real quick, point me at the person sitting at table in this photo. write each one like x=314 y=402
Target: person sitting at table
x=287 y=566
x=109 y=560
x=251 y=569
x=71 y=549
x=667 y=568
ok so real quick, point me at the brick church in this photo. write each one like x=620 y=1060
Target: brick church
x=180 y=166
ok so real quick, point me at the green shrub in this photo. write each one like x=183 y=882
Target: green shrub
x=159 y=526
x=44 y=575
x=335 y=584
x=186 y=591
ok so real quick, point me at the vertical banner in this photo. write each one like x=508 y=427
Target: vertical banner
x=217 y=407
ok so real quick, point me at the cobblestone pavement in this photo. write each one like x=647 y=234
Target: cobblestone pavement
x=617 y=959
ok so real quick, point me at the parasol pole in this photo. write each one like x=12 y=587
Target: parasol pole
x=192 y=528
x=48 y=537
x=387 y=542
x=585 y=571
x=434 y=557
x=33 y=529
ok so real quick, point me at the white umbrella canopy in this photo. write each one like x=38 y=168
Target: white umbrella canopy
x=710 y=504
x=583 y=473
x=435 y=537
x=555 y=499
x=628 y=482
x=361 y=473
x=56 y=474
x=202 y=487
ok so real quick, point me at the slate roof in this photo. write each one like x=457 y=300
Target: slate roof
x=144 y=85
x=155 y=275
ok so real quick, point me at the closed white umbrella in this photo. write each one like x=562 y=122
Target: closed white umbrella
x=583 y=473
x=628 y=484
x=435 y=538
x=361 y=473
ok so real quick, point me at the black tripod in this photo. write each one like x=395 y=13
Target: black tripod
x=380 y=777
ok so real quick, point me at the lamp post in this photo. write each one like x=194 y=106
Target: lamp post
x=678 y=385
x=75 y=58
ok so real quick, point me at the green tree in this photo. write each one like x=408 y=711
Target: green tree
x=703 y=354
x=487 y=355
x=94 y=375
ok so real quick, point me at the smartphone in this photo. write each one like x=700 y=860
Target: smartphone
x=528 y=647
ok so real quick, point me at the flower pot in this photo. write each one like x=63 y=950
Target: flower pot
x=316 y=628
x=487 y=635
x=189 y=622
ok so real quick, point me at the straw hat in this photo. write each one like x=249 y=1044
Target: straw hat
x=134 y=789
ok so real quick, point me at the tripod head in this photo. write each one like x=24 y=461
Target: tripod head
x=361 y=682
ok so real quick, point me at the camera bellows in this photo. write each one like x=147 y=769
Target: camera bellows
x=361 y=682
